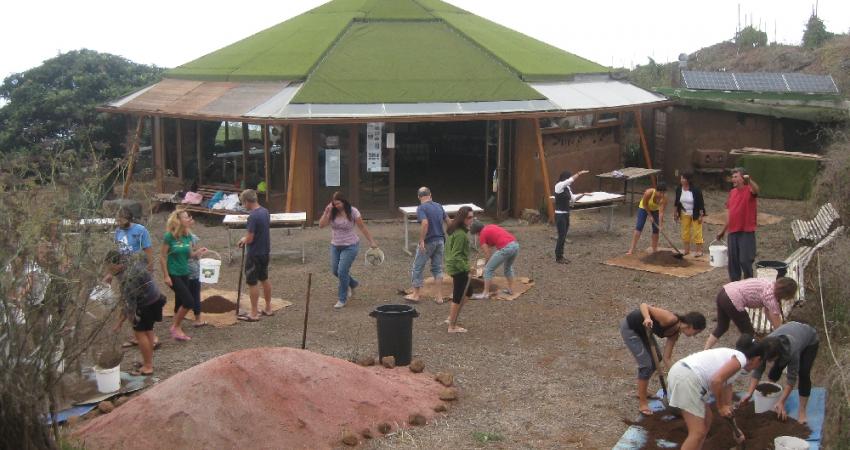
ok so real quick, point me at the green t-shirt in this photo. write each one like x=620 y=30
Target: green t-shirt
x=457 y=252
x=178 y=254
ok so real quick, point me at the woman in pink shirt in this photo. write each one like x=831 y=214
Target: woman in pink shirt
x=500 y=247
x=750 y=293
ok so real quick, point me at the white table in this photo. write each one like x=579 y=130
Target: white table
x=95 y=224
x=289 y=221
x=598 y=201
x=408 y=216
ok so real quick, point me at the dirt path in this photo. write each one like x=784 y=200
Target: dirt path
x=548 y=370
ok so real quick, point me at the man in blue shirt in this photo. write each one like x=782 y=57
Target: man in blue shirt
x=132 y=237
x=257 y=255
x=432 y=238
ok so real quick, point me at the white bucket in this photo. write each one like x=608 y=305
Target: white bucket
x=108 y=380
x=718 y=255
x=764 y=403
x=210 y=269
x=790 y=443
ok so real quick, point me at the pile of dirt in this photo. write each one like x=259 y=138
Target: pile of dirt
x=768 y=388
x=759 y=429
x=216 y=304
x=265 y=398
x=110 y=358
x=665 y=258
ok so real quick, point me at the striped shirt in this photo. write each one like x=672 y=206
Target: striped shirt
x=753 y=293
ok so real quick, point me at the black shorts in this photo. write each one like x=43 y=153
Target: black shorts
x=146 y=316
x=256 y=269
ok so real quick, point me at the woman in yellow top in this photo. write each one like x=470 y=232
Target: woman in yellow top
x=653 y=202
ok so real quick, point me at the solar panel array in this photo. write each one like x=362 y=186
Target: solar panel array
x=760 y=82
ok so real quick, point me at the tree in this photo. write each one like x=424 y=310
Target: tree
x=750 y=37
x=53 y=105
x=815 y=34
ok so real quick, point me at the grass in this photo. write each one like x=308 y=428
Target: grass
x=487 y=436
x=235 y=132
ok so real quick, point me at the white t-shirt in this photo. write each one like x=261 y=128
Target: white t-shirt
x=687 y=201
x=706 y=363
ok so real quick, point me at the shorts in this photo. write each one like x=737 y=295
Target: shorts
x=686 y=391
x=146 y=316
x=256 y=269
x=642 y=215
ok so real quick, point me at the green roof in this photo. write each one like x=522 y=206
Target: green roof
x=416 y=51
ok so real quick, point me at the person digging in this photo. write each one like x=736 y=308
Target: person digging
x=142 y=303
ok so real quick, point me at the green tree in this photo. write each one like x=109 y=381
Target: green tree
x=750 y=37
x=815 y=34
x=52 y=106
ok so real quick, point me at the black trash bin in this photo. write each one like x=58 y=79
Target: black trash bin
x=780 y=267
x=395 y=331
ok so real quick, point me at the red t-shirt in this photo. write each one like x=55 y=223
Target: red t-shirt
x=495 y=236
x=741 y=206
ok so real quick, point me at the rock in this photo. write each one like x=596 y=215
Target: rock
x=445 y=378
x=350 y=439
x=366 y=433
x=417 y=366
x=73 y=420
x=301 y=423
x=417 y=420
x=388 y=362
x=384 y=428
x=365 y=361
x=448 y=394
x=105 y=407
x=440 y=408
x=121 y=401
x=530 y=215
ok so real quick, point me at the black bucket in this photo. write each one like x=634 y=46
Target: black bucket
x=395 y=331
x=780 y=267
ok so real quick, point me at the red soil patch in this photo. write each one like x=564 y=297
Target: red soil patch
x=265 y=398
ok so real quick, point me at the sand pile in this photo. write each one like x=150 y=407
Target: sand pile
x=265 y=398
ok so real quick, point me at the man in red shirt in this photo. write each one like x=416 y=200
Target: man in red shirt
x=741 y=208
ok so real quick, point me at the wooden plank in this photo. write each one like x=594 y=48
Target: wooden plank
x=198 y=153
x=244 y=183
x=179 y=148
x=293 y=149
x=550 y=204
x=134 y=150
x=500 y=170
x=159 y=155
x=267 y=157
x=770 y=152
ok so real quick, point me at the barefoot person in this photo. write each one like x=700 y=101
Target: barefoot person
x=457 y=263
x=500 y=247
x=563 y=198
x=432 y=217
x=258 y=247
x=663 y=324
x=132 y=238
x=741 y=223
x=342 y=217
x=141 y=303
x=174 y=259
x=689 y=211
x=796 y=347
x=653 y=202
x=195 y=281
x=750 y=293
x=709 y=371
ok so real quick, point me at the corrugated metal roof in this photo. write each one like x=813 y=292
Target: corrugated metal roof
x=569 y=96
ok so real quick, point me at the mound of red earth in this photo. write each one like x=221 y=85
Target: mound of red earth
x=265 y=398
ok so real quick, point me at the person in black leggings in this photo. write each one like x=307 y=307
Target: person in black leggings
x=457 y=263
x=793 y=346
x=174 y=259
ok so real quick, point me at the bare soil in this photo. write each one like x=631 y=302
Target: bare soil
x=548 y=370
x=665 y=258
x=217 y=304
x=768 y=388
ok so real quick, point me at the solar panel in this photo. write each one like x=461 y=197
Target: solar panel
x=800 y=82
x=761 y=82
x=709 y=80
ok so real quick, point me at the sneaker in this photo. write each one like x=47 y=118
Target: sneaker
x=562 y=261
x=339 y=305
x=479 y=296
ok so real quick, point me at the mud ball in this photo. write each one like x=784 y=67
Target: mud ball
x=417 y=420
x=440 y=408
x=350 y=439
x=445 y=378
x=365 y=361
x=73 y=420
x=105 y=407
x=384 y=428
x=417 y=366
x=388 y=362
x=366 y=433
x=448 y=394
x=121 y=401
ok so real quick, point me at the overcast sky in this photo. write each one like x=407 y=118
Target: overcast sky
x=619 y=33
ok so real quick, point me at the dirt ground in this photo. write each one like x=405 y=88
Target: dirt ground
x=548 y=370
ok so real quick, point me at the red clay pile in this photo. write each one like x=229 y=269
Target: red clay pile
x=268 y=398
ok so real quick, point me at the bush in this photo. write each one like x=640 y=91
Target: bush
x=815 y=34
x=750 y=37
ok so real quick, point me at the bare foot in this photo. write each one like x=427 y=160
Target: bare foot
x=630 y=252
x=439 y=301
x=645 y=410
x=412 y=298
x=457 y=330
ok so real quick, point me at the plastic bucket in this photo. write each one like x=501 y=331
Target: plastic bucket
x=780 y=267
x=210 y=269
x=718 y=254
x=395 y=331
x=108 y=380
x=764 y=403
x=789 y=443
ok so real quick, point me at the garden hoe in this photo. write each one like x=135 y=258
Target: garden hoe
x=677 y=254
x=736 y=432
x=656 y=356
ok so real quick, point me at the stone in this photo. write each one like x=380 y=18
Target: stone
x=366 y=433
x=417 y=366
x=350 y=439
x=530 y=215
x=388 y=362
x=417 y=420
x=384 y=427
x=445 y=378
x=73 y=420
x=440 y=408
x=448 y=394
x=365 y=361
x=121 y=400
x=105 y=407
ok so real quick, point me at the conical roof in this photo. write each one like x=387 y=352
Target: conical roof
x=391 y=51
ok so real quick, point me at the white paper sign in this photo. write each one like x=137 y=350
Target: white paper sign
x=332 y=166
x=374 y=133
x=390 y=140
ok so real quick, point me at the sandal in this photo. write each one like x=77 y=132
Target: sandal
x=507 y=291
x=247 y=318
x=645 y=412
x=200 y=324
x=138 y=373
x=267 y=314
x=128 y=344
x=439 y=301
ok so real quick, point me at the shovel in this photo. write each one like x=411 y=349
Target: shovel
x=239 y=288
x=655 y=359
x=736 y=432
x=678 y=254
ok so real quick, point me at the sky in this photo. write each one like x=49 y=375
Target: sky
x=611 y=33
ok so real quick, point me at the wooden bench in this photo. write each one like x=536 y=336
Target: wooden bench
x=811 y=232
x=207 y=192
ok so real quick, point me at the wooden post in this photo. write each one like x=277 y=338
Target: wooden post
x=134 y=149
x=544 y=169
x=244 y=183
x=643 y=145
x=306 y=311
x=293 y=149
x=267 y=160
x=500 y=168
x=159 y=153
x=179 y=147
x=198 y=153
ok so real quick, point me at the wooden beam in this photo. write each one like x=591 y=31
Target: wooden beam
x=134 y=150
x=500 y=169
x=544 y=169
x=180 y=150
x=159 y=154
x=244 y=183
x=267 y=160
x=293 y=149
x=199 y=153
x=643 y=145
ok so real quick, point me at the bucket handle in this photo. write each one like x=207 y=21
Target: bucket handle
x=716 y=240
x=216 y=253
